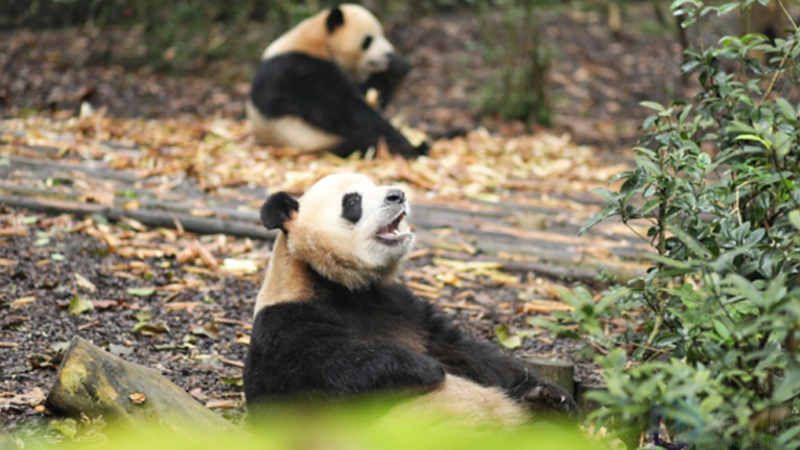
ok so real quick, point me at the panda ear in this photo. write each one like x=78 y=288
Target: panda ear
x=335 y=19
x=278 y=210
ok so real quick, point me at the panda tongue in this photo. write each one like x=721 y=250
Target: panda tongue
x=391 y=229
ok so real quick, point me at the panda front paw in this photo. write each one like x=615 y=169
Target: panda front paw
x=545 y=397
x=422 y=149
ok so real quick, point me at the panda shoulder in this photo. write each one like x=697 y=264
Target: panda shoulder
x=403 y=298
x=288 y=315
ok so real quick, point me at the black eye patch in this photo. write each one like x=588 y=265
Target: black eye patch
x=366 y=42
x=351 y=207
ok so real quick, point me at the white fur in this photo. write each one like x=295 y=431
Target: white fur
x=467 y=402
x=348 y=253
x=289 y=131
x=343 y=47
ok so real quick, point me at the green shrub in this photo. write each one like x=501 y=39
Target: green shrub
x=705 y=345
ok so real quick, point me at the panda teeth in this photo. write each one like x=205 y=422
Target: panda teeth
x=392 y=229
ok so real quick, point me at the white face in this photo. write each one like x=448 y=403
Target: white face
x=359 y=45
x=375 y=57
x=351 y=230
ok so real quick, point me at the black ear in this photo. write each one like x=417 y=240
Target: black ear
x=335 y=19
x=277 y=210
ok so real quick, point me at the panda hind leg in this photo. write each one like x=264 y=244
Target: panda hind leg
x=466 y=403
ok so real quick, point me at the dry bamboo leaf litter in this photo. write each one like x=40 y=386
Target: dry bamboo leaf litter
x=219 y=153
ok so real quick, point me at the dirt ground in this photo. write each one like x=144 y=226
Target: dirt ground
x=597 y=79
x=187 y=316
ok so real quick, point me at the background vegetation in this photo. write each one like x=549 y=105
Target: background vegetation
x=706 y=353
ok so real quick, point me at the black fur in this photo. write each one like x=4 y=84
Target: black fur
x=342 y=343
x=366 y=43
x=277 y=210
x=387 y=82
x=320 y=93
x=351 y=207
x=334 y=20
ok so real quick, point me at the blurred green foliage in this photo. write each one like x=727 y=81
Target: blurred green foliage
x=706 y=344
x=361 y=426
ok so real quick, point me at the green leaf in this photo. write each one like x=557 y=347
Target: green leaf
x=65 y=427
x=653 y=105
x=506 y=338
x=667 y=261
x=794 y=218
x=141 y=292
x=79 y=305
x=753 y=138
x=721 y=330
x=786 y=109
x=789 y=387
x=691 y=243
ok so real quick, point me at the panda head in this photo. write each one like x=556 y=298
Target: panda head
x=345 y=227
x=357 y=44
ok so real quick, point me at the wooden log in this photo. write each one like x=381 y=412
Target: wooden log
x=553 y=371
x=93 y=170
x=91 y=381
x=164 y=219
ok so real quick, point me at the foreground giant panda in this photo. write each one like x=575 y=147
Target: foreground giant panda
x=330 y=322
x=308 y=91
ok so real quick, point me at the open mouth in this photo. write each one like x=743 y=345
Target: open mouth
x=390 y=234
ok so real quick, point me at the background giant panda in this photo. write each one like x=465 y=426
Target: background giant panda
x=308 y=91
x=329 y=320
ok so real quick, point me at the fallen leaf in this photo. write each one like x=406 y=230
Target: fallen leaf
x=506 y=338
x=244 y=266
x=141 y=292
x=198 y=394
x=104 y=304
x=79 y=305
x=23 y=302
x=222 y=404
x=13 y=231
x=7 y=262
x=31 y=398
x=544 y=306
x=137 y=398
x=181 y=306
x=84 y=283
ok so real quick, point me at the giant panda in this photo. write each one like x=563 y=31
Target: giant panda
x=330 y=321
x=308 y=91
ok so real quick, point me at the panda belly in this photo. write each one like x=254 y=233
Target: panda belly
x=289 y=131
x=465 y=402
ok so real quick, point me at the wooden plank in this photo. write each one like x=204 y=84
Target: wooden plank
x=194 y=224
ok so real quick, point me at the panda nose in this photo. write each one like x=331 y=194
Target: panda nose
x=395 y=196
